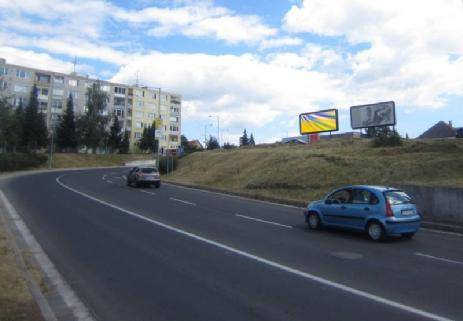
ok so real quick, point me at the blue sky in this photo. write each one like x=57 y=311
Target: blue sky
x=256 y=64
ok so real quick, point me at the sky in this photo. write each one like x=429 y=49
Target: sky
x=255 y=64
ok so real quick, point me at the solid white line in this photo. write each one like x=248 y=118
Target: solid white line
x=441 y=232
x=111 y=182
x=438 y=258
x=65 y=291
x=262 y=260
x=263 y=221
x=182 y=201
x=146 y=192
x=124 y=177
x=234 y=196
x=104 y=177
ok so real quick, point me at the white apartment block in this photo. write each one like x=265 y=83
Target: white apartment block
x=135 y=106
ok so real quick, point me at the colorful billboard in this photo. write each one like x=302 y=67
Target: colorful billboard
x=373 y=115
x=319 y=122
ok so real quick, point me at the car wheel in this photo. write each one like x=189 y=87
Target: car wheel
x=128 y=183
x=376 y=231
x=313 y=220
x=408 y=235
x=157 y=185
x=137 y=184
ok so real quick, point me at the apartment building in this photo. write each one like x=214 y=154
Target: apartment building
x=135 y=106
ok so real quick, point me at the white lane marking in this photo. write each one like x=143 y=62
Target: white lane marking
x=104 y=177
x=234 y=196
x=65 y=291
x=438 y=258
x=110 y=182
x=441 y=232
x=263 y=221
x=146 y=192
x=124 y=177
x=182 y=201
x=262 y=260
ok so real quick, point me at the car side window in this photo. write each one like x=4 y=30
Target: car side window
x=341 y=197
x=362 y=196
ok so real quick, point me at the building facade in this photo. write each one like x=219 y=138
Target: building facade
x=135 y=106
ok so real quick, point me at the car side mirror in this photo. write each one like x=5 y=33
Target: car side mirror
x=328 y=202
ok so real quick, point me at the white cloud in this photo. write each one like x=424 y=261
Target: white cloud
x=280 y=42
x=32 y=59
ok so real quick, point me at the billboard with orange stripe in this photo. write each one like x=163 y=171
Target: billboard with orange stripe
x=319 y=122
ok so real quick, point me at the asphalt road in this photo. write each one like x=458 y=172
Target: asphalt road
x=182 y=254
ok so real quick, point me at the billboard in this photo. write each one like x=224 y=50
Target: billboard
x=319 y=122
x=374 y=115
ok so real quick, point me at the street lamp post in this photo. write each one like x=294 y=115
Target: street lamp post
x=205 y=134
x=218 y=128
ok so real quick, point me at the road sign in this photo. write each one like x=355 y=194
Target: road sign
x=373 y=115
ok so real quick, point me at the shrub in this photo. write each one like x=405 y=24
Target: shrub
x=387 y=139
x=163 y=165
x=19 y=161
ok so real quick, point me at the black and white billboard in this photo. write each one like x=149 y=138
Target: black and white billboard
x=373 y=115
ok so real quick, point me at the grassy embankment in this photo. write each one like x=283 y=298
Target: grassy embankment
x=301 y=173
x=64 y=160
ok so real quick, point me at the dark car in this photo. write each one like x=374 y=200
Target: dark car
x=144 y=176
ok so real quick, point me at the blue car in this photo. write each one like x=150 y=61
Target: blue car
x=379 y=211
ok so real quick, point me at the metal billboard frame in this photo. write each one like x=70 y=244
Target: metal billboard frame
x=384 y=102
x=316 y=112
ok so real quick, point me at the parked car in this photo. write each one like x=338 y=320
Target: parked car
x=144 y=176
x=377 y=210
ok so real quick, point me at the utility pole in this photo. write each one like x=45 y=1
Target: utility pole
x=218 y=128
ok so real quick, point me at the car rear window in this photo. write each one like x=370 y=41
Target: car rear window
x=149 y=170
x=397 y=197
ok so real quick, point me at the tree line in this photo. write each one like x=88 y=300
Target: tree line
x=23 y=129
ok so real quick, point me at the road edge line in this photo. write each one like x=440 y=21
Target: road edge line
x=317 y=279
x=72 y=301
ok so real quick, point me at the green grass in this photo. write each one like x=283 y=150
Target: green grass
x=71 y=160
x=299 y=173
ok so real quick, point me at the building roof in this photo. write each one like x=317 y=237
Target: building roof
x=439 y=130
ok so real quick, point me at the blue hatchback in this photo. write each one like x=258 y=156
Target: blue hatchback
x=377 y=210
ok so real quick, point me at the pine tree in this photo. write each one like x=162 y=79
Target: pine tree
x=212 y=143
x=34 y=129
x=244 y=140
x=147 y=140
x=5 y=122
x=115 y=135
x=91 y=126
x=66 y=132
x=125 y=144
x=251 y=140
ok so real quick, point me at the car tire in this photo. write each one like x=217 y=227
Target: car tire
x=313 y=221
x=408 y=235
x=157 y=185
x=137 y=184
x=376 y=231
x=128 y=183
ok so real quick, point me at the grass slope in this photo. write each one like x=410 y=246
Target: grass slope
x=300 y=173
x=71 y=160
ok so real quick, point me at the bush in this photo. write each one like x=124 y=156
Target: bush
x=387 y=139
x=19 y=161
x=163 y=164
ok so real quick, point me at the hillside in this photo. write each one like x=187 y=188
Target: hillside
x=300 y=173
x=70 y=160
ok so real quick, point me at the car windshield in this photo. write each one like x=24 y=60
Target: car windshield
x=149 y=170
x=397 y=197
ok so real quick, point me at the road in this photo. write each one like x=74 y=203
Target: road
x=183 y=254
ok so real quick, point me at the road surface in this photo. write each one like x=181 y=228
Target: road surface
x=183 y=254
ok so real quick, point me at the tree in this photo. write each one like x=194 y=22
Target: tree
x=5 y=122
x=66 y=132
x=212 y=143
x=244 y=140
x=251 y=140
x=147 y=141
x=91 y=126
x=34 y=128
x=125 y=144
x=227 y=145
x=187 y=147
x=115 y=135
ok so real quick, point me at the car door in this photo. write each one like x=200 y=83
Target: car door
x=360 y=207
x=131 y=176
x=335 y=206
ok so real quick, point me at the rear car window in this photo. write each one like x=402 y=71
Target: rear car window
x=149 y=170
x=397 y=197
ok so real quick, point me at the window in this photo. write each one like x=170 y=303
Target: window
x=397 y=198
x=151 y=115
x=74 y=94
x=24 y=74
x=42 y=91
x=73 y=82
x=119 y=90
x=58 y=92
x=119 y=101
x=20 y=89
x=43 y=78
x=140 y=104
x=3 y=85
x=3 y=70
x=57 y=104
x=137 y=135
x=341 y=197
x=138 y=125
x=43 y=106
x=58 y=80
x=119 y=112
x=139 y=114
x=19 y=101
x=105 y=88
x=173 y=128
x=361 y=196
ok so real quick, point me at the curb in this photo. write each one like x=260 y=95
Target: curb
x=427 y=224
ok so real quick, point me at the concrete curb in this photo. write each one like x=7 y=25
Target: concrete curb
x=427 y=224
